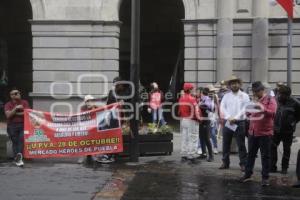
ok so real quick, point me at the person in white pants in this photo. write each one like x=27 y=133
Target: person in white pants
x=189 y=126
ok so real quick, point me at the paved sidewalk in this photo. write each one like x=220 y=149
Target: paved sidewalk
x=157 y=177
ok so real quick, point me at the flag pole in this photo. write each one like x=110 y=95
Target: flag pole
x=290 y=52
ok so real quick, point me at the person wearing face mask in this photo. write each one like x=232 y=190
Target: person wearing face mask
x=286 y=118
x=156 y=98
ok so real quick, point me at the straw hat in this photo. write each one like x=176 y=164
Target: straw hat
x=211 y=88
x=233 y=78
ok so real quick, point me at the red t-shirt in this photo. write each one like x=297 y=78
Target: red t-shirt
x=9 y=106
x=188 y=107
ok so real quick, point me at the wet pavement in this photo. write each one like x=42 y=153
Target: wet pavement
x=159 y=177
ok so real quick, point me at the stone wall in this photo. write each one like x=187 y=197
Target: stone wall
x=73 y=58
x=278 y=53
x=73 y=37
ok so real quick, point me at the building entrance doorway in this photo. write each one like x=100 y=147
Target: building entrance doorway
x=15 y=49
x=162 y=42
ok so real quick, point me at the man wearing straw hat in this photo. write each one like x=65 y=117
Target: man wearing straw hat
x=232 y=110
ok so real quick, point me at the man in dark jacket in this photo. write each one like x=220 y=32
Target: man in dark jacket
x=286 y=118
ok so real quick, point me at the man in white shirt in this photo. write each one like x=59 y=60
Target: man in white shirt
x=233 y=112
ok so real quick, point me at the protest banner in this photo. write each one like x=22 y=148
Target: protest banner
x=93 y=132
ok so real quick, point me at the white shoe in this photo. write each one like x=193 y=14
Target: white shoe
x=104 y=159
x=199 y=151
x=216 y=151
x=81 y=160
x=19 y=160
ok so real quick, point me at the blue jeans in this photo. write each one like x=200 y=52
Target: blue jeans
x=16 y=134
x=264 y=144
x=158 y=112
x=213 y=136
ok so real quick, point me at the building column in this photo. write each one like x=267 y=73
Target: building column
x=225 y=40
x=72 y=59
x=260 y=37
x=199 y=51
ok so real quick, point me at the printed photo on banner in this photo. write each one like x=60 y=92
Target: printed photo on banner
x=108 y=119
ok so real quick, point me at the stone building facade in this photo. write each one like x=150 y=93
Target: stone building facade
x=76 y=40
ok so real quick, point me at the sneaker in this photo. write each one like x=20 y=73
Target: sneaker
x=284 y=171
x=199 y=151
x=245 y=179
x=104 y=159
x=203 y=156
x=112 y=159
x=265 y=182
x=216 y=151
x=19 y=160
x=184 y=158
x=81 y=160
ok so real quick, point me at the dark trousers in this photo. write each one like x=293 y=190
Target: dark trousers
x=239 y=135
x=16 y=134
x=287 y=140
x=263 y=143
x=298 y=166
x=204 y=134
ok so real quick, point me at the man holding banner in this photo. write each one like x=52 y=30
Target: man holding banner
x=88 y=105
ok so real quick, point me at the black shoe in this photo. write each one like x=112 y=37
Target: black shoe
x=184 y=159
x=284 y=171
x=210 y=159
x=223 y=166
x=89 y=159
x=193 y=161
x=265 y=182
x=245 y=179
x=203 y=156
x=273 y=170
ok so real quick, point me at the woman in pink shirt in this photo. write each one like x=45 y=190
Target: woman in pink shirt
x=155 y=105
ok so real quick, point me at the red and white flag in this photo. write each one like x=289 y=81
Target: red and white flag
x=287 y=5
